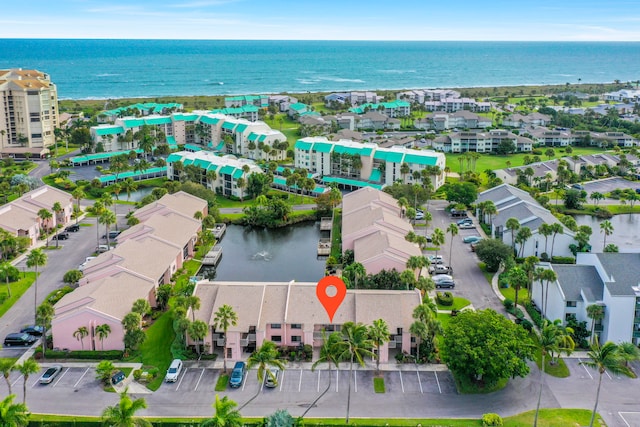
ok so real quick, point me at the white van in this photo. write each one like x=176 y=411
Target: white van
x=174 y=371
x=102 y=248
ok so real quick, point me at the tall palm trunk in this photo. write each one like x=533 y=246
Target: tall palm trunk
x=349 y=389
x=6 y=378
x=224 y=353
x=595 y=407
x=535 y=419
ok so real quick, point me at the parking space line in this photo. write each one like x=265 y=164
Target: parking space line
x=300 y=381
x=419 y=381
x=318 y=388
x=244 y=381
x=198 y=383
x=282 y=379
x=337 y=381
x=585 y=368
x=437 y=381
x=624 y=419
x=401 y=382
x=35 y=382
x=181 y=378
x=83 y=374
x=608 y=374
x=16 y=381
x=355 y=380
x=60 y=377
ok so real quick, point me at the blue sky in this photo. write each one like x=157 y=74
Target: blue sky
x=562 y=20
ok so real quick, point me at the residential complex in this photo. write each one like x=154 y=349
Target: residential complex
x=421 y=95
x=354 y=165
x=374 y=228
x=511 y=202
x=451 y=105
x=28 y=112
x=609 y=280
x=227 y=170
x=561 y=137
x=20 y=217
x=480 y=141
x=392 y=109
x=147 y=255
x=290 y=314
x=462 y=119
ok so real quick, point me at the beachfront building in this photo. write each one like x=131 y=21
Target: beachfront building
x=290 y=314
x=28 y=112
x=391 y=109
x=480 y=141
x=199 y=130
x=260 y=101
x=511 y=202
x=517 y=120
x=624 y=95
x=462 y=119
x=147 y=255
x=374 y=228
x=352 y=98
x=248 y=112
x=353 y=165
x=453 y=104
x=140 y=109
x=218 y=173
x=420 y=96
x=609 y=280
x=20 y=217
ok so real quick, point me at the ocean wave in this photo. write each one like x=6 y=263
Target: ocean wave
x=107 y=75
x=308 y=81
x=340 y=80
x=397 y=71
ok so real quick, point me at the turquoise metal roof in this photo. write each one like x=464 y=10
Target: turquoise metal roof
x=171 y=139
x=366 y=151
x=237 y=173
x=351 y=182
x=375 y=175
x=303 y=145
x=158 y=120
x=241 y=128
x=394 y=157
x=380 y=155
x=252 y=137
x=227 y=170
x=192 y=147
x=111 y=130
x=133 y=123
x=346 y=150
x=202 y=163
x=261 y=138
x=174 y=158
x=209 y=120
x=420 y=159
x=298 y=107
x=228 y=125
x=323 y=147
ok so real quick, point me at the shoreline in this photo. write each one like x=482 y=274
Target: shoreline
x=523 y=90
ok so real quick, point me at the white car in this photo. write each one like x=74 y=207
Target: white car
x=466 y=225
x=436 y=259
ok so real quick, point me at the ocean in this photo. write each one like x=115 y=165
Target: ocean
x=103 y=69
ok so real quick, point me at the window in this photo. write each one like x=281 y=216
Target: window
x=568 y=316
x=296 y=338
x=276 y=326
x=572 y=303
x=296 y=326
x=276 y=338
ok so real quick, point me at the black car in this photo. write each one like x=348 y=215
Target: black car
x=72 y=228
x=19 y=339
x=117 y=378
x=35 y=330
x=62 y=236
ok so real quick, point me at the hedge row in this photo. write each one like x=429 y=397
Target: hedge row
x=88 y=354
x=534 y=313
x=445 y=298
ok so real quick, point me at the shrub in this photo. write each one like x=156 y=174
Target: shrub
x=57 y=295
x=137 y=374
x=445 y=298
x=544 y=257
x=104 y=371
x=508 y=304
x=536 y=152
x=490 y=419
x=12 y=272
x=85 y=355
x=563 y=260
x=534 y=313
x=526 y=324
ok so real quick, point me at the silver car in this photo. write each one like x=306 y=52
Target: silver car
x=50 y=374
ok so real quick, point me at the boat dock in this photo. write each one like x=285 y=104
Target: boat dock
x=218 y=230
x=326 y=223
x=213 y=256
x=324 y=247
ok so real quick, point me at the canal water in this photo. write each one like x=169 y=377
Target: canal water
x=626 y=232
x=258 y=254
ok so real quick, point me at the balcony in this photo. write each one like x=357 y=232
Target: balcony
x=598 y=328
x=636 y=334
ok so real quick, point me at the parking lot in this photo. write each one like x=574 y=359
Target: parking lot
x=297 y=380
x=608 y=185
x=70 y=378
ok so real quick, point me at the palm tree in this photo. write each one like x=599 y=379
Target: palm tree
x=355 y=345
x=437 y=239
x=141 y=306
x=419 y=330
x=595 y=312
x=122 y=414
x=557 y=229
x=107 y=218
x=225 y=414
x=45 y=216
x=98 y=208
x=523 y=234
x=402 y=204
x=266 y=355
x=379 y=334
x=356 y=271
x=44 y=314
x=57 y=208
x=6 y=366
x=628 y=352
x=28 y=367
x=128 y=186
x=80 y=334
x=5 y=269
x=13 y=414
x=102 y=332
x=328 y=354
x=453 y=230
x=490 y=209
x=513 y=225
x=197 y=331
x=607 y=228
x=553 y=338
x=223 y=318
x=546 y=276
x=78 y=194
x=517 y=278
x=415 y=263
x=603 y=358
x=35 y=259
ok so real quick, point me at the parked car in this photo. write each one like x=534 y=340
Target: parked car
x=118 y=377
x=273 y=376
x=237 y=375
x=112 y=234
x=102 y=248
x=35 y=330
x=435 y=259
x=19 y=339
x=455 y=213
x=174 y=371
x=464 y=221
x=443 y=281
x=440 y=269
x=419 y=215
x=466 y=226
x=72 y=228
x=62 y=236
x=577 y=187
x=50 y=374
x=472 y=239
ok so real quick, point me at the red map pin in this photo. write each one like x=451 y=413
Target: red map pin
x=333 y=301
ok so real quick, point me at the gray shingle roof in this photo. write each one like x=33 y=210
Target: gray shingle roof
x=625 y=270
x=574 y=278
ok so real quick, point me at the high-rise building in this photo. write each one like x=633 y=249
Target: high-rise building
x=28 y=112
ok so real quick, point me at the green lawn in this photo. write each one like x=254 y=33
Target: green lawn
x=494 y=161
x=557 y=369
x=17 y=289
x=378 y=385
x=458 y=303
x=511 y=294
x=221 y=384
x=293 y=199
x=336 y=234
x=554 y=418
x=156 y=349
x=444 y=319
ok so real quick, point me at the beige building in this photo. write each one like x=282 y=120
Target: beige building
x=290 y=314
x=28 y=112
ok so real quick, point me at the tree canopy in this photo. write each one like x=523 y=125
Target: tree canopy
x=483 y=347
x=493 y=252
x=461 y=192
